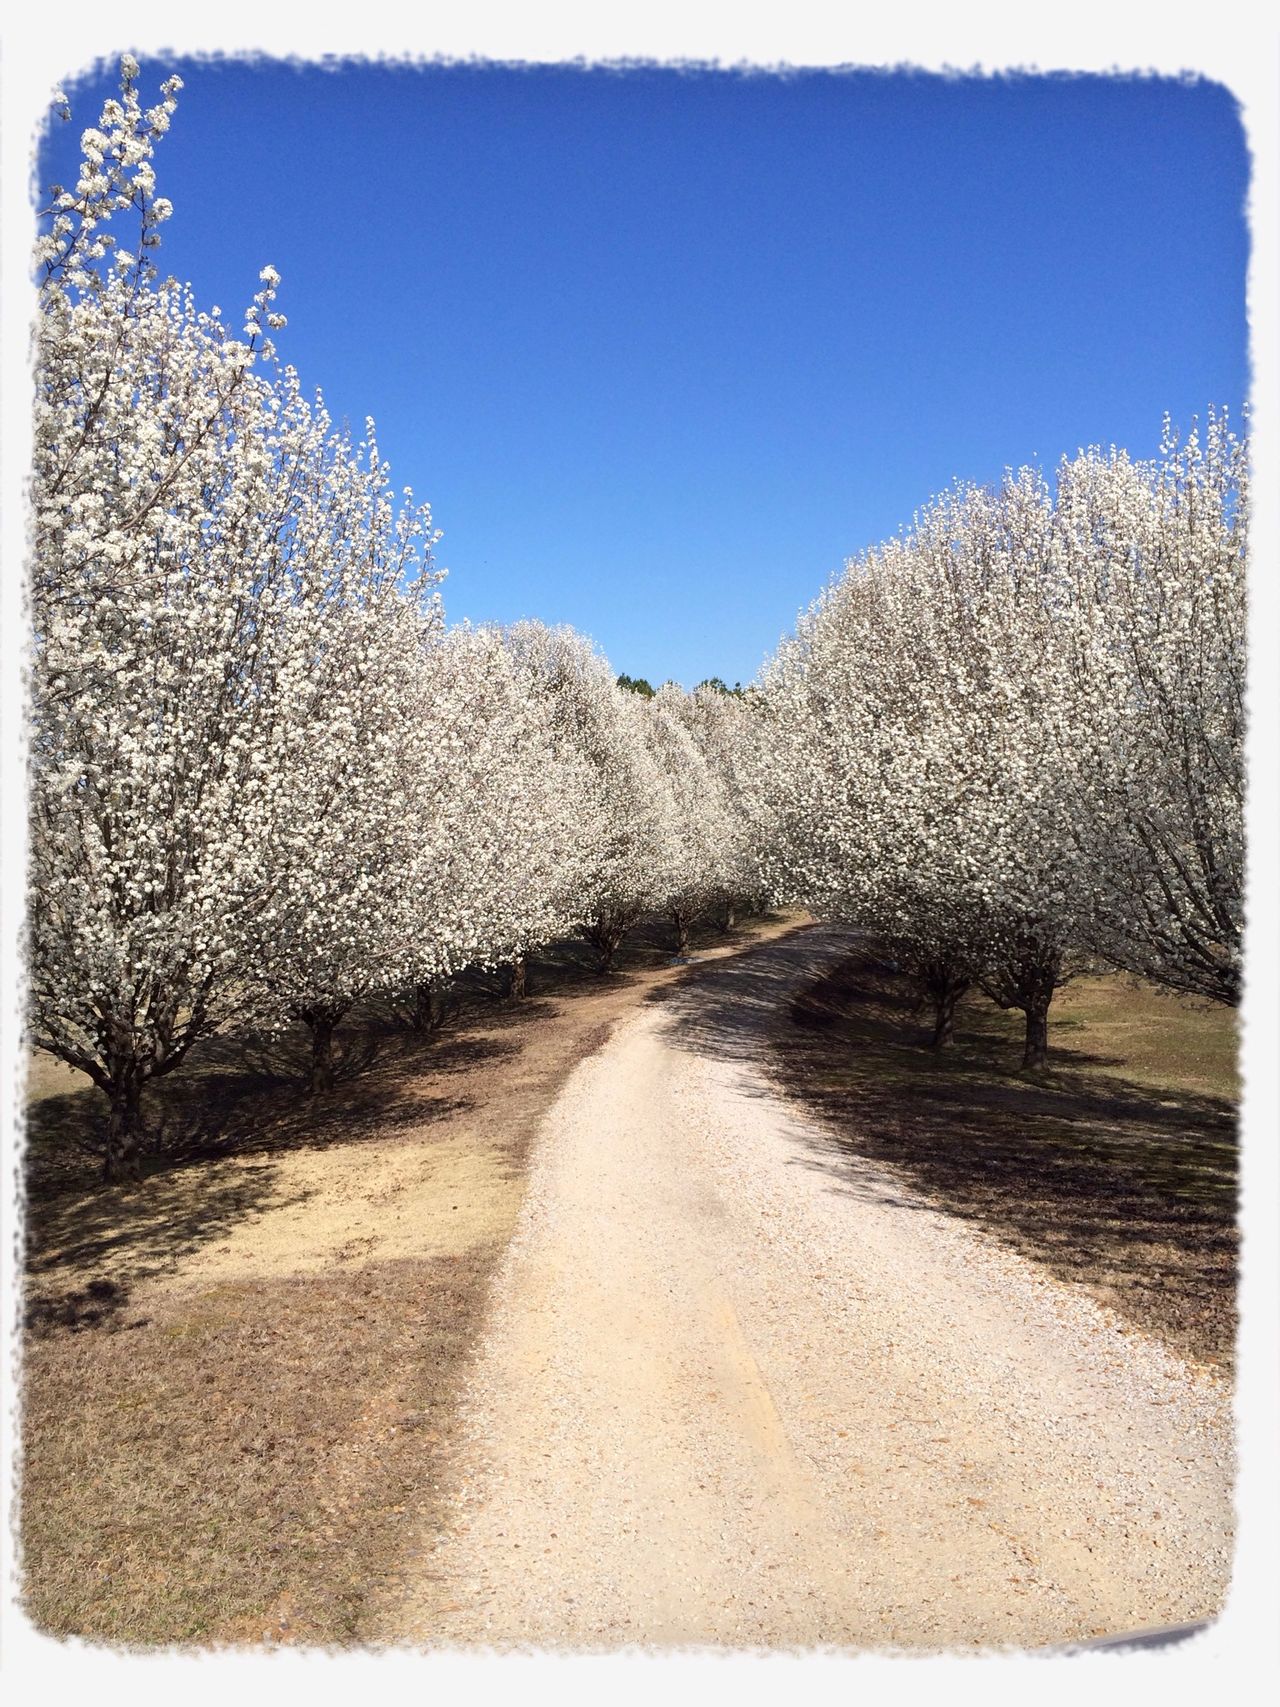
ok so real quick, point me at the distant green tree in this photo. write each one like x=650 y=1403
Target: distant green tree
x=717 y=684
x=636 y=684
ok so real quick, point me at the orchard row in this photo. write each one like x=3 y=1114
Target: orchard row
x=268 y=781
x=1010 y=742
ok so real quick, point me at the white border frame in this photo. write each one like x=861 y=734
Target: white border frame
x=1227 y=42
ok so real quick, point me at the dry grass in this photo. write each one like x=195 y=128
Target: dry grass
x=242 y=1463
x=1116 y=1167
x=240 y=1374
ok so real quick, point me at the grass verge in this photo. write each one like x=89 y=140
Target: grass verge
x=1116 y=1167
x=241 y=1464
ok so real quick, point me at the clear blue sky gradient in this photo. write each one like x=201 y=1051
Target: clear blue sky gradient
x=663 y=349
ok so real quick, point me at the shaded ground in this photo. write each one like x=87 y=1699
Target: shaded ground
x=240 y=1374
x=1116 y=1167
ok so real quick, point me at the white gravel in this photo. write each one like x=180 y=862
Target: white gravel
x=734 y=1394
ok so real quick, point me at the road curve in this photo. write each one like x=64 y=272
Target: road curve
x=735 y=1392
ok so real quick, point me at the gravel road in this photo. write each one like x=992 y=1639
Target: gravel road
x=733 y=1394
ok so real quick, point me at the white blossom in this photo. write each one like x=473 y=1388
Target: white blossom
x=1013 y=735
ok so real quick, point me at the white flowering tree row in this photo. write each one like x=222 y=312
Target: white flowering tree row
x=662 y=825
x=1010 y=739
x=267 y=781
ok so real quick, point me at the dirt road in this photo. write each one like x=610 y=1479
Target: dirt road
x=731 y=1393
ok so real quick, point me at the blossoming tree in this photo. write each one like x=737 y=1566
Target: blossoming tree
x=499 y=864
x=1012 y=736
x=189 y=570
x=1151 y=726
x=697 y=860
x=622 y=826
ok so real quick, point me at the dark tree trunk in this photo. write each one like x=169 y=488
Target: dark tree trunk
x=1039 y=976
x=944 y=985
x=321 y=1056
x=944 y=1014
x=681 y=922
x=518 y=987
x=604 y=936
x=1036 y=1050
x=122 y=1159
x=729 y=917
x=1027 y=982
x=429 y=1005
x=321 y=1022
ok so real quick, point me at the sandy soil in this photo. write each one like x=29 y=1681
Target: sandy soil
x=727 y=1396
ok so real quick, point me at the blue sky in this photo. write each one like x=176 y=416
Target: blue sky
x=663 y=349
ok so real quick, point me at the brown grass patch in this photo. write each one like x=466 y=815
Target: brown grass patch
x=242 y=1462
x=1116 y=1167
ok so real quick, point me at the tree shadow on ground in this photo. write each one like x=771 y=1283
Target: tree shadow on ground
x=723 y=1007
x=235 y=1098
x=571 y=967
x=1129 y=1187
x=237 y=1095
x=244 y=1090
x=135 y=1230
x=241 y=1095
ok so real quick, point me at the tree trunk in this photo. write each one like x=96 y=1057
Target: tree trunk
x=429 y=1005
x=1036 y=1050
x=321 y=1022
x=124 y=1126
x=1040 y=974
x=944 y=1011
x=605 y=939
x=321 y=1056
x=1027 y=981
x=518 y=988
x=944 y=985
x=730 y=916
x=681 y=922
